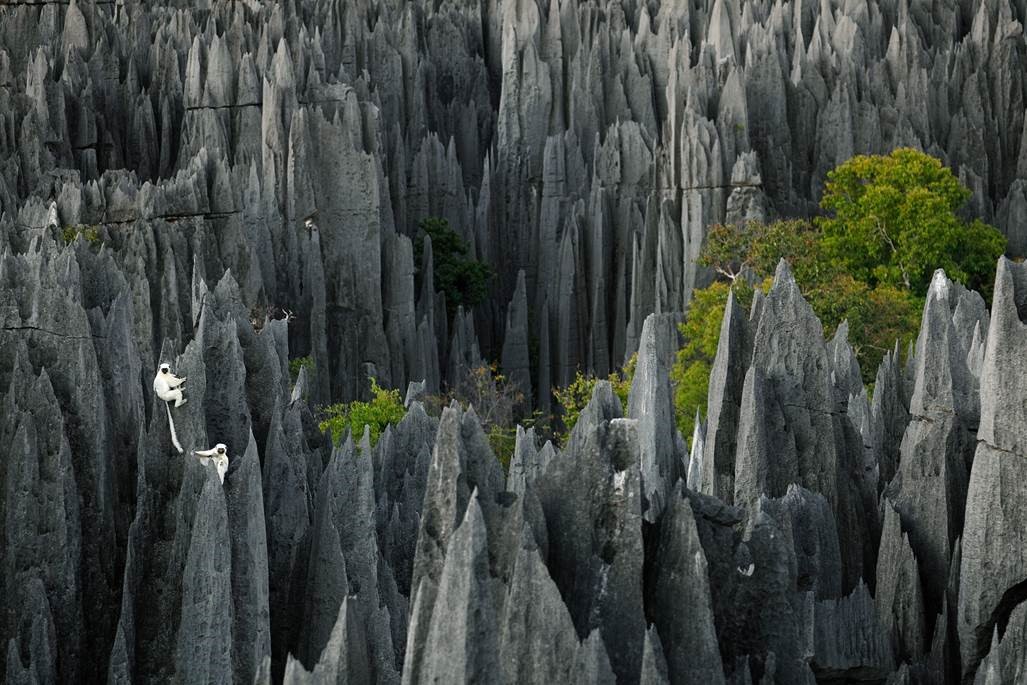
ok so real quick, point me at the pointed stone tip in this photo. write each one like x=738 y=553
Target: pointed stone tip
x=939 y=284
x=783 y=273
x=474 y=514
x=299 y=390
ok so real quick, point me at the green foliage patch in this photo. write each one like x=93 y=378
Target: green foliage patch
x=575 y=396
x=385 y=407
x=91 y=234
x=892 y=220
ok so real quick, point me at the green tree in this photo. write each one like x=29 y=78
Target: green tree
x=463 y=279
x=894 y=219
x=878 y=315
x=385 y=407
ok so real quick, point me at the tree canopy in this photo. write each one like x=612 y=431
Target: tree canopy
x=894 y=219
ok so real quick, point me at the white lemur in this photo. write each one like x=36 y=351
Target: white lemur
x=169 y=387
x=219 y=455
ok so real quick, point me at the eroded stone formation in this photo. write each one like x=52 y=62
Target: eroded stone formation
x=227 y=186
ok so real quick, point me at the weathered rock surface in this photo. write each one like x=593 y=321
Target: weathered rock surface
x=929 y=490
x=993 y=510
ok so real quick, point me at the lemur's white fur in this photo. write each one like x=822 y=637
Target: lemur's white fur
x=171 y=424
x=168 y=387
x=219 y=455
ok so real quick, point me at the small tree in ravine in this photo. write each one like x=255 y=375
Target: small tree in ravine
x=464 y=280
x=891 y=221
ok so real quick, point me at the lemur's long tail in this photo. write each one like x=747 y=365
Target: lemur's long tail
x=171 y=423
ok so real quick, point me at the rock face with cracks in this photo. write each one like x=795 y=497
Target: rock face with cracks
x=231 y=186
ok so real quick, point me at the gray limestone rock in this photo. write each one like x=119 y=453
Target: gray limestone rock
x=461 y=461
x=343 y=660
x=679 y=600
x=537 y=640
x=204 y=649
x=930 y=489
x=250 y=594
x=651 y=404
x=595 y=486
x=415 y=391
x=1004 y=662
x=654 y=666
x=992 y=513
x=695 y=458
x=767 y=460
x=528 y=462
x=889 y=416
x=515 y=358
x=849 y=641
x=462 y=640
x=724 y=401
x=791 y=430
x=899 y=598
x=807 y=521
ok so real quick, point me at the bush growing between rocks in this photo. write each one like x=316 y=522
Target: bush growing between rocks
x=385 y=407
x=91 y=234
x=574 y=397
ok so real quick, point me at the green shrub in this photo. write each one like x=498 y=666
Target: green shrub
x=385 y=407
x=463 y=279
x=575 y=396
x=91 y=234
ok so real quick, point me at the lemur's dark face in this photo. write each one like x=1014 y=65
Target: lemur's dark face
x=221 y=450
x=165 y=369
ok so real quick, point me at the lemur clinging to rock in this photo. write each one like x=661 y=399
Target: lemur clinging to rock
x=169 y=387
